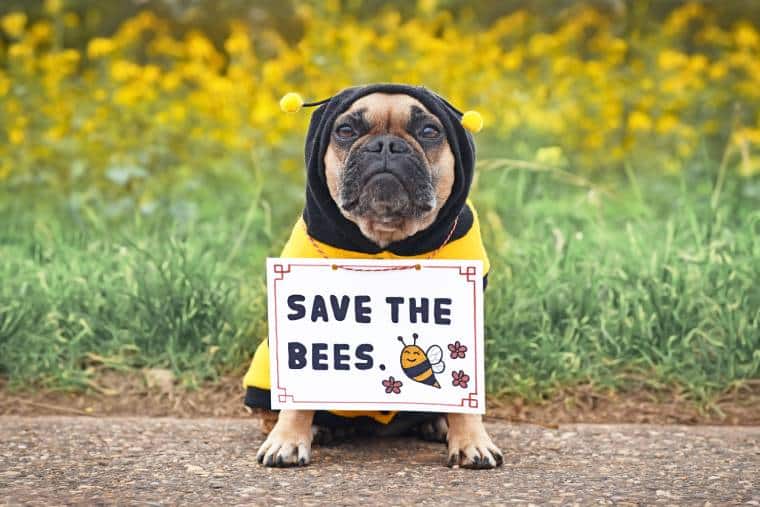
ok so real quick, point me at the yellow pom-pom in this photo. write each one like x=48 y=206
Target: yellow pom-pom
x=472 y=121
x=291 y=102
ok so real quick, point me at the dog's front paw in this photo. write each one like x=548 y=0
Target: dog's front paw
x=283 y=449
x=469 y=443
x=289 y=443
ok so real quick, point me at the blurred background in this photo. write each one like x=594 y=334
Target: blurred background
x=146 y=171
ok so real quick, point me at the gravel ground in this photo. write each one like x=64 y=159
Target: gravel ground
x=80 y=460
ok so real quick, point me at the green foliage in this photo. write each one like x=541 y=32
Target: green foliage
x=635 y=283
x=650 y=288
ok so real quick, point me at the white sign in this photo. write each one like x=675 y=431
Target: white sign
x=350 y=334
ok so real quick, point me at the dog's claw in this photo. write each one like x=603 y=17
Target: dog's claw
x=475 y=457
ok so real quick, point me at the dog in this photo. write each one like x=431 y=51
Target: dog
x=389 y=169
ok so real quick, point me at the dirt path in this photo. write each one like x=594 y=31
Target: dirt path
x=125 y=394
x=53 y=460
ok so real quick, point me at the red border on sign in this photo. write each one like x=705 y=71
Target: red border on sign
x=468 y=272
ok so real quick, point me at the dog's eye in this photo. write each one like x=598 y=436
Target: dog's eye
x=430 y=132
x=345 y=131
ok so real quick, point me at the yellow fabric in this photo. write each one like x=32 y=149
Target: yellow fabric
x=468 y=247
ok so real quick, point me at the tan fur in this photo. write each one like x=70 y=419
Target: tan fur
x=290 y=439
x=469 y=442
x=389 y=114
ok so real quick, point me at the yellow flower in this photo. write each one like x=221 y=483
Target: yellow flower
x=5 y=169
x=717 y=70
x=427 y=6
x=150 y=73
x=199 y=47
x=748 y=134
x=746 y=36
x=5 y=84
x=20 y=50
x=56 y=133
x=698 y=63
x=238 y=42
x=513 y=59
x=666 y=123
x=551 y=155
x=53 y=6
x=638 y=120
x=99 y=47
x=124 y=70
x=13 y=24
x=42 y=31
x=680 y=17
x=16 y=135
x=171 y=81
x=671 y=59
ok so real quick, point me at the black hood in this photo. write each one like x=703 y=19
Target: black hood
x=324 y=220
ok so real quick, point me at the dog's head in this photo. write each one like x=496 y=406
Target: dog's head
x=388 y=166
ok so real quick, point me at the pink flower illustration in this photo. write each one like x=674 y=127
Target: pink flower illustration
x=460 y=379
x=457 y=349
x=392 y=385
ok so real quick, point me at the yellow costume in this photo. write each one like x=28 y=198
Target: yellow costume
x=455 y=234
x=256 y=381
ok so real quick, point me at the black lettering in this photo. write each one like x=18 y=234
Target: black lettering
x=395 y=302
x=362 y=311
x=341 y=359
x=319 y=310
x=340 y=309
x=362 y=352
x=421 y=310
x=317 y=358
x=442 y=312
x=294 y=302
x=296 y=355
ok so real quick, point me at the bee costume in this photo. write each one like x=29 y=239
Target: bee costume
x=323 y=231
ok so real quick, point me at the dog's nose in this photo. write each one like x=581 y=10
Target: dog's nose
x=387 y=144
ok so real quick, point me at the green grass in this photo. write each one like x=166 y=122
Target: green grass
x=629 y=284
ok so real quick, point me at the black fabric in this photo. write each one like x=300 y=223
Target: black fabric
x=401 y=423
x=258 y=398
x=324 y=220
x=261 y=398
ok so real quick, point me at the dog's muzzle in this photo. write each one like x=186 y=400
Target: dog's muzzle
x=388 y=179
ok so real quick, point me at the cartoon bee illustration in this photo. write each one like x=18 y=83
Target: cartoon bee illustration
x=422 y=366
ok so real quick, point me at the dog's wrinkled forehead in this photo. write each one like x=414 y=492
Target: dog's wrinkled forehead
x=383 y=112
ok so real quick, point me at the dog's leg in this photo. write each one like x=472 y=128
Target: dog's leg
x=469 y=444
x=435 y=430
x=289 y=443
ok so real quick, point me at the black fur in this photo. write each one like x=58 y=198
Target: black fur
x=324 y=220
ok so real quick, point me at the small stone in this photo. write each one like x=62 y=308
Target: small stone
x=195 y=469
